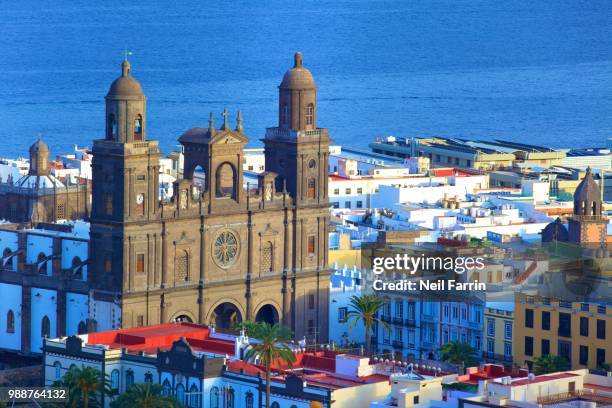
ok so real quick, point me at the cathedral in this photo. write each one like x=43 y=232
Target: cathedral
x=215 y=252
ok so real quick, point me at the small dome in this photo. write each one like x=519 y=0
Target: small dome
x=587 y=190
x=39 y=146
x=125 y=85
x=298 y=77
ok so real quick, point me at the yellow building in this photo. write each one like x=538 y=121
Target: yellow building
x=499 y=328
x=574 y=330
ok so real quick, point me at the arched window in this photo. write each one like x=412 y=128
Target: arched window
x=231 y=398
x=180 y=393
x=249 y=400
x=595 y=208
x=129 y=379
x=166 y=387
x=312 y=188
x=267 y=257
x=115 y=380
x=182 y=266
x=58 y=370
x=149 y=378
x=10 y=322
x=77 y=268
x=310 y=114
x=293 y=406
x=82 y=327
x=225 y=180
x=285 y=115
x=45 y=327
x=275 y=405
x=214 y=397
x=138 y=128
x=193 y=396
x=7 y=259
x=41 y=262
x=111 y=127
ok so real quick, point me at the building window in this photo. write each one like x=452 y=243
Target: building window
x=545 y=347
x=508 y=330
x=140 y=204
x=140 y=321
x=7 y=258
x=60 y=212
x=225 y=176
x=311 y=302
x=285 y=115
x=140 y=263
x=115 y=380
x=399 y=309
x=214 y=397
x=529 y=318
x=342 y=314
x=347 y=204
x=108 y=264
x=311 y=245
x=129 y=379
x=565 y=325
x=108 y=203
x=600 y=357
x=275 y=405
x=193 y=396
x=584 y=326
x=231 y=398
x=249 y=401
x=82 y=329
x=584 y=355
x=601 y=329
x=336 y=191
x=58 y=370
x=310 y=114
x=312 y=190
x=347 y=191
x=545 y=320
x=10 y=322
x=336 y=204
x=507 y=349
x=182 y=266
x=111 y=132
x=415 y=400
x=41 y=263
x=528 y=346
x=267 y=257
x=138 y=128
x=359 y=204
x=490 y=327
x=45 y=329
x=490 y=346
x=148 y=378
x=359 y=190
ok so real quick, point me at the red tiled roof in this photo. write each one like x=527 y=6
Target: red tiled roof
x=149 y=339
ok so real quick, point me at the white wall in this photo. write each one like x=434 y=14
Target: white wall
x=11 y=300
x=76 y=312
x=44 y=303
x=106 y=314
x=8 y=239
x=72 y=248
x=36 y=245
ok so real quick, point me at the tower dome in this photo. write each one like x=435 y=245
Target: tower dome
x=39 y=158
x=298 y=77
x=587 y=197
x=125 y=85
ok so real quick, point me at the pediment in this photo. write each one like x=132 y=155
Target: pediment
x=228 y=137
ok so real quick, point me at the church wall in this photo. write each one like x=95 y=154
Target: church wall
x=38 y=244
x=107 y=314
x=44 y=303
x=77 y=310
x=70 y=250
x=8 y=239
x=11 y=300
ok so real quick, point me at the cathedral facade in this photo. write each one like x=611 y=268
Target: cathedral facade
x=216 y=252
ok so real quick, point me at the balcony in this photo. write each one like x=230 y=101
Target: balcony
x=410 y=322
x=398 y=320
x=385 y=318
x=398 y=344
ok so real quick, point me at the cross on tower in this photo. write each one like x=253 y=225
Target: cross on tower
x=126 y=53
x=224 y=119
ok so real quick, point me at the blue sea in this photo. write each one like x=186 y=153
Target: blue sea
x=531 y=71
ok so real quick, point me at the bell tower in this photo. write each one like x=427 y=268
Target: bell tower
x=125 y=189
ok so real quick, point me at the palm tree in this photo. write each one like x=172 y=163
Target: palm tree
x=550 y=364
x=365 y=308
x=456 y=352
x=272 y=347
x=86 y=386
x=145 y=395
